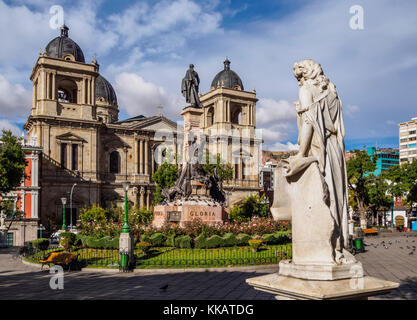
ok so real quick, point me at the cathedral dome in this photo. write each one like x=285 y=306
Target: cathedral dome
x=227 y=78
x=104 y=91
x=64 y=47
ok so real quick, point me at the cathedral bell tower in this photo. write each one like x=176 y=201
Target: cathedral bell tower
x=229 y=121
x=63 y=84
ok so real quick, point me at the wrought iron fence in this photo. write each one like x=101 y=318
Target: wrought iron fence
x=166 y=257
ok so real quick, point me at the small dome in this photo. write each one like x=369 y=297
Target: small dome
x=227 y=78
x=64 y=47
x=104 y=91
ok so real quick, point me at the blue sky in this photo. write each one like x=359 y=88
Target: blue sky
x=145 y=47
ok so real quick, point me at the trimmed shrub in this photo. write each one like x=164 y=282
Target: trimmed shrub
x=282 y=236
x=229 y=240
x=170 y=242
x=183 y=242
x=41 y=244
x=243 y=239
x=144 y=246
x=67 y=240
x=79 y=240
x=145 y=238
x=213 y=242
x=255 y=244
x=200 y=241
x=269 y=238
x=157 y=239
x=105 y=242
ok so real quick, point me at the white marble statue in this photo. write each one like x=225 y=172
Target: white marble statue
x=311 y=187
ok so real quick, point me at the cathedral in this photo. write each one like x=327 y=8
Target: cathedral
x=87 y=152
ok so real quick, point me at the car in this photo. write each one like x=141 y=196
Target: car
x=54 y=238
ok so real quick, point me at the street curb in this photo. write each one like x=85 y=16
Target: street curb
x=267 y=268
x=31 y=264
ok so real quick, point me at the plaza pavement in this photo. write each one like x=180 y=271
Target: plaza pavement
x=19 y=281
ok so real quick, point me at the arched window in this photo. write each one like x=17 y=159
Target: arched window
x=237 y=115
x=210 y=117
x=67 y=91
x=114 y=162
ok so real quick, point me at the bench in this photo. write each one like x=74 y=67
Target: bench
x=370 y=231
x=64 y=259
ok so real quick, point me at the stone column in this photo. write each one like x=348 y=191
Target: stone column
x=48 y=80
x=53 y=86
x=141 y=157
x=88 y=91
x=135 y=153
x=148 y=199
x=34 y=96
x=44 y=85
x=142 y=197
x=152 y=161
x=93 y=91
x=146 y=157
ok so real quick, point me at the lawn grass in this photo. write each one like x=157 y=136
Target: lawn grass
x=170 y=257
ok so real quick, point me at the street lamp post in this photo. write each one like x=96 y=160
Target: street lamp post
x=392 y=212
x=126 y=228
x=64 y=202
x=72 y=189
x=125 y=245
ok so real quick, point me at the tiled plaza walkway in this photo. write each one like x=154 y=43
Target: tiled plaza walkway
x=18 y=281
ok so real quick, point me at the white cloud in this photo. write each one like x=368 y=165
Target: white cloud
x=139 y=97
x=7 y=125
x=14 y=99
x=165 y=25
x=272 y=111
x=283 y=147
x=351 y=110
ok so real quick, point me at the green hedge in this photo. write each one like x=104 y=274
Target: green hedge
x=41 y=244
x=201 y=242
x=105 y=242
x=243 y=239
x=157 y=239
x=170 y=242
x=229 y=240
x=279 y=237
x=183 y=242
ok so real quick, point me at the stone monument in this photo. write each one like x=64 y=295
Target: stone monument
x=194 y=195
x=311 y=191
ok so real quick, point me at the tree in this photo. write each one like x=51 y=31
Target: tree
x=403 y=182
x=165 y=176
x=12 y=163
x=359 y=172
x=254 y=205
x=378 y=198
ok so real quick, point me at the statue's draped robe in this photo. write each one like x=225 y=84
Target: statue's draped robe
x=327 y=149
x=189 y=87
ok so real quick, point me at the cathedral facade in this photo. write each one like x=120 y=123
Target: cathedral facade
x=85 y=148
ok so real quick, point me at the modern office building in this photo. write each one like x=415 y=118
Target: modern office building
x=385 y=158
x=408 y=146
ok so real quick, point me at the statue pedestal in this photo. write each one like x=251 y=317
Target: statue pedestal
x=288 y=288
x=320 y=272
